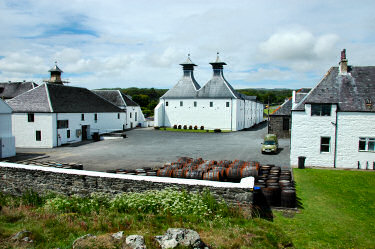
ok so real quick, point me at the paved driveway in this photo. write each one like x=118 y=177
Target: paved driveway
x=149 y=148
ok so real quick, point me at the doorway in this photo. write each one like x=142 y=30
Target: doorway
x=84 y=132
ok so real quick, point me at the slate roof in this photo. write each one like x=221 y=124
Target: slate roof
x=60 y=99
x=286 y=108
x=10 y=90
x=218 y=87
x=350 y=91
x=186 y=87
x=116 y=97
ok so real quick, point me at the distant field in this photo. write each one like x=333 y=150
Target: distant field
x=272 y=108
x=338 y=210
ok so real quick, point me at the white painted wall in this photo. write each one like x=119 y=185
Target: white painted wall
x=352 y=126
x=135 y=117
x=7 y=146
x=306 y=134
x=25 y=132
x=239 y=115
x=307 y=131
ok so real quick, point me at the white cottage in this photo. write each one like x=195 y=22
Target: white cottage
x=133 y=112
x=216 y=105
x=53 y=114
x=334 y=125
x=7 y=146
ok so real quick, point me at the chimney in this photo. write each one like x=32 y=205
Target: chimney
x=294 y=99
x=343 y=62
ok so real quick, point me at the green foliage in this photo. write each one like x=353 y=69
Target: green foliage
x=31 y=198
x=275 y=96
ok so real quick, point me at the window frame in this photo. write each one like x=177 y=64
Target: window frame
x=95 y=117
x=286 y=124
x=118 y=115
x=166 y=103
x=30 y=117
x=181 y=103
x=321 y=109
x=62 y=124
x=366 y=141
x=325 y=144
x=135 y=116
x=195 y=104
x=67 y=133
x=211 y=104
x=82 y=117
x=38 y=135
x=227 y=104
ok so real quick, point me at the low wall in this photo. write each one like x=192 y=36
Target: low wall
x=16 y=178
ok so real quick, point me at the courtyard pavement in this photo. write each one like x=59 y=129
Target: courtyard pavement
x=146 y=147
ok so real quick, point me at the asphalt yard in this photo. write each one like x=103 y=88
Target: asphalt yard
x=146 y=147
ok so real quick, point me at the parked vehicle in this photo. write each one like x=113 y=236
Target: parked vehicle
x=270 y=144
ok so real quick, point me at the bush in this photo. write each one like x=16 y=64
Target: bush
x=179 y=127
x=202 y=127
x=195 y=127
x=156 y=127
x=185 y=127
x=175 y=127
x=190 y=127
x=31 y=198
x=217 y=130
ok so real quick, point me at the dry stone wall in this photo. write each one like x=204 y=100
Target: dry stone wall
x=16 y=180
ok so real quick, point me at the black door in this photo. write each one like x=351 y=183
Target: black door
x=84 y=132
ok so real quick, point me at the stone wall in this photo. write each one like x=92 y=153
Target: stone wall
x=17 y=179
x=276 y=126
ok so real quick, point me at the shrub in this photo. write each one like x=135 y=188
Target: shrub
x=156 y=127
x=179 y=127
x=31 y=198
x=190 y=127
x=185 y=127
x=195 y=127
x=175 y=127
x=217 y=130
x=202 y=127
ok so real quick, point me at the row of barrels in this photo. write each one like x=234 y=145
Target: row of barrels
x=52 y=164
x=145 y=171
x=209 y=170
x=277 y=186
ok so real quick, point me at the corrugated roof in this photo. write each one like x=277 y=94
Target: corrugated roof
x=61 y=99
x=10 y=90
x=350 y=91
x=116 y=97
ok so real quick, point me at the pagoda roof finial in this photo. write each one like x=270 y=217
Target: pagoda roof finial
x=218 y=64
x=188 y=63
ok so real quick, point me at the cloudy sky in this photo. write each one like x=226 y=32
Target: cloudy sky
x=124 y=43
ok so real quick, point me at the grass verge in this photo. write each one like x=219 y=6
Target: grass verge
x=338 y=209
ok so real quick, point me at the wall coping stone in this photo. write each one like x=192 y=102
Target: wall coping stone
x=246 y=183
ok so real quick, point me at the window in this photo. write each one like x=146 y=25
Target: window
x=166 y=103
x=135 y=116
x=118 y=115
x=227 y=104
x=195 y=103
x=1 y=89
x=325 y=144
x=62 y=124
x=68 y=134
x=286 y=124
x=320 y=109
x=38 y=136
x=82 y=117
x=96 y=117
x=30 y=117
x=130 y=115
x=366 y=144
x=181 y=103
x=211 y=104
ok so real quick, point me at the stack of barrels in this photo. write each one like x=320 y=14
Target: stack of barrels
x=277 y=186
x=209 y=170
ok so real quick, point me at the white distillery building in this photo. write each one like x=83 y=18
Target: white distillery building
x=133 y=112
x=216 y=105
x=7 y=146
x=334 y=125
x=53 y=114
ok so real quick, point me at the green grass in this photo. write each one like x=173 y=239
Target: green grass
x=187 y=130
x=338 y=210
x=272 y=108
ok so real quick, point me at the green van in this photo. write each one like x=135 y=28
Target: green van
x=270 y=144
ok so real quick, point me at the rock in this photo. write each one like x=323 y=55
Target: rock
x=118 y=235
x=27 y=239
x=82 y=238
x=21 y=235
x=135 y=242
x=179 y=236
x=244 y=197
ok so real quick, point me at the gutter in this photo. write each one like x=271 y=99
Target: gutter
x=335 y=151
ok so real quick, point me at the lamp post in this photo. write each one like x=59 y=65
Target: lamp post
x=268 y=116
